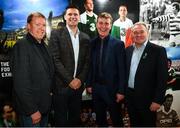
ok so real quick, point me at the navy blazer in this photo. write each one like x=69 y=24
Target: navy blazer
x=151 y=75
x=113 y=66
x=32 y=77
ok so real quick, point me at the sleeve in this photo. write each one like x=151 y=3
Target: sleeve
x=176 y=120
x=22 y=78
x=162 y=76
x=120 y=57
x=85 y=66
x=90 y=72
x=162 y=18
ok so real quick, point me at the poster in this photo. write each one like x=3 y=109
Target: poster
x=163 y=17
x=13 y=16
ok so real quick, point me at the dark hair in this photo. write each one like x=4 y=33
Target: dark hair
x=71 y=6
x=85 y=1
x=123 y=5
x=168 y=96
x=176 y=5
x=34 y=14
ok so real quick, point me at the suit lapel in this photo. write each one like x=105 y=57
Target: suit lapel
x=144 y=56
x=40 y=57
x=69 y=42
x=129 y=56
x=46 y=66
x=94 y=51
x=80 y=51
x=50 y=61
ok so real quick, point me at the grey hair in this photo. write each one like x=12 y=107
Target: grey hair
x=141 y=23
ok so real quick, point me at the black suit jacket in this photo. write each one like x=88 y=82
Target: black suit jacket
x=62 y=51
x=32 y=77
x=151 y=75
x=113 y=67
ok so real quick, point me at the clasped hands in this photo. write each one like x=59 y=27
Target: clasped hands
x=75 y=83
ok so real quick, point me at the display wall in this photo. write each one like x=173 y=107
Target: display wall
x=160 y=33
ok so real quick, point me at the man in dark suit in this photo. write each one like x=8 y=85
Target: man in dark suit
x=106 y=80
x=71 y=53
x=147 y=77
x=32 y=74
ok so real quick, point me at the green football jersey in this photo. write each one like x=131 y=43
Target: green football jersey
x=90 y=26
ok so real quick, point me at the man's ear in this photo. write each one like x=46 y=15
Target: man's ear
x=27 y=26
x=64 y=17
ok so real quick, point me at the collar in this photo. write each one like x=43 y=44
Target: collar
x=29 y=35
x=106 y=39
x=142 y=46
x=122 y=20
x=165 y=111
x=71 y=32
x=92 y=14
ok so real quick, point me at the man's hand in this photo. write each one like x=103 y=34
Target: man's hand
x=75 y=83
x=119 y=97
x=154 y=106
x=36 y=117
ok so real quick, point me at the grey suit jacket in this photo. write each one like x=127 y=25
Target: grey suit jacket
x=62 y=51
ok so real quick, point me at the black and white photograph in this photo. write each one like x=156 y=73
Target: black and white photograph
x=163 y=18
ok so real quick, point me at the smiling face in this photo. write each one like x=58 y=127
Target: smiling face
x=103 y=26
x=37 y=27
x=139 y=34
x=72 y=17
